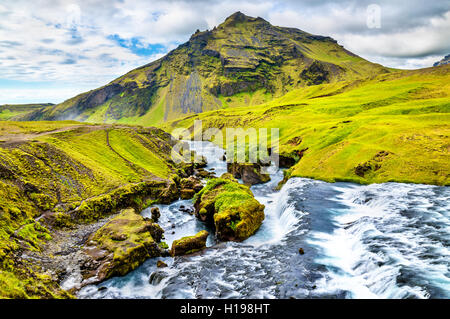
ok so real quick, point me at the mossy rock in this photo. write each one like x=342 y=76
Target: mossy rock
x=121 y=245
x=169 y=194
x=191 y=183
x=250 y=173
x=135 y=195
x=229 y=176
x=230 y=207
x=202 y=173
x=190 y=244
x=187 y=193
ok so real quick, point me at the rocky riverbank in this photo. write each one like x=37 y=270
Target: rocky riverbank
x=72 y=199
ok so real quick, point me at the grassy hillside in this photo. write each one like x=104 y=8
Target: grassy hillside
x=244 y=61
x=391 y=127
x=61 y=173
x=9 y=112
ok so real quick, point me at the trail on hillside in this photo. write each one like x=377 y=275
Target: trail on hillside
x=12 y=138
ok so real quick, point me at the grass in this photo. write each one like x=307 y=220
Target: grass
x=10 y=111
x=347 y=123
x=129 y=147
x=235 y=64
x=46 y=170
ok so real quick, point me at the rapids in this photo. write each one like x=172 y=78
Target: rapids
x=360 y=241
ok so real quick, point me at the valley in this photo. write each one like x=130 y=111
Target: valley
x=95 y=201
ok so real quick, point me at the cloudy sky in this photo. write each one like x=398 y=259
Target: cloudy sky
x=51 y=50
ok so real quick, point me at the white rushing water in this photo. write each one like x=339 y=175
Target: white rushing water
x=391 y=241
x=378 y=241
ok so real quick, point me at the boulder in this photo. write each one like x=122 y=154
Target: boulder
x=230 y=207
x=285 y=161
x=190 y=244
x=169 y=194
x=121 y=245
x=189 y=186
x=250 y=173
x=155 y=214
x=200 y=161
x=161 y=264
x=202 y=173
x=187 y=193
x=229 y=177
x=191 y=183
x=186 y=169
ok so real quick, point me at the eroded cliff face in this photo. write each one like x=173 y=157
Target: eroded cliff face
x=243 y=61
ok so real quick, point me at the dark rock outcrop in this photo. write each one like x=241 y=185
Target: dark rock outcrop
x=202 y=173
x=187 y=193
x=374 y=164
x=170 y=193
x=191 y=183
x=315 y=74
x=250 y=173
x=155 y=214
x=444 y=61
x=286 y=161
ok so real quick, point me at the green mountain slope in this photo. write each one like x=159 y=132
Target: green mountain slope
x=391 y=127
x=11 y=112
x=62 y=175
x=243 y=61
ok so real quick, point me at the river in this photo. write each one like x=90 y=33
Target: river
x=386 y=240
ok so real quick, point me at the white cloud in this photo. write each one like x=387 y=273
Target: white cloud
x=39 y=95
x=69 y=42
x=416 y=42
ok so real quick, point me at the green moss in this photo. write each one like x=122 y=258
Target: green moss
x=34 y=234
x=23 y=283
x=43 y=201
x=341 y=125
x=128 y=238
x=137 y=195
x=232 y=208
x=69 y=171
x=189 y=244
x=163 y=245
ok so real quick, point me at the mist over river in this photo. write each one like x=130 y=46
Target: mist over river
x=386 y=240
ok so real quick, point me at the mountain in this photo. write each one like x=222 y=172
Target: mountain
x=445 y=60
x=390 y=127
x=243 y=61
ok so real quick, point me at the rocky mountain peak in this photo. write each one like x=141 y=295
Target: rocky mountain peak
x=445 y=60
x=239 y=17
x=244 y=60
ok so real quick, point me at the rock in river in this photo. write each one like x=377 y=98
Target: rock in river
x=155 y=213
x=121 y=245
x=230 y=207
x=189 y=186
x=250 y=173
x=190 y=244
